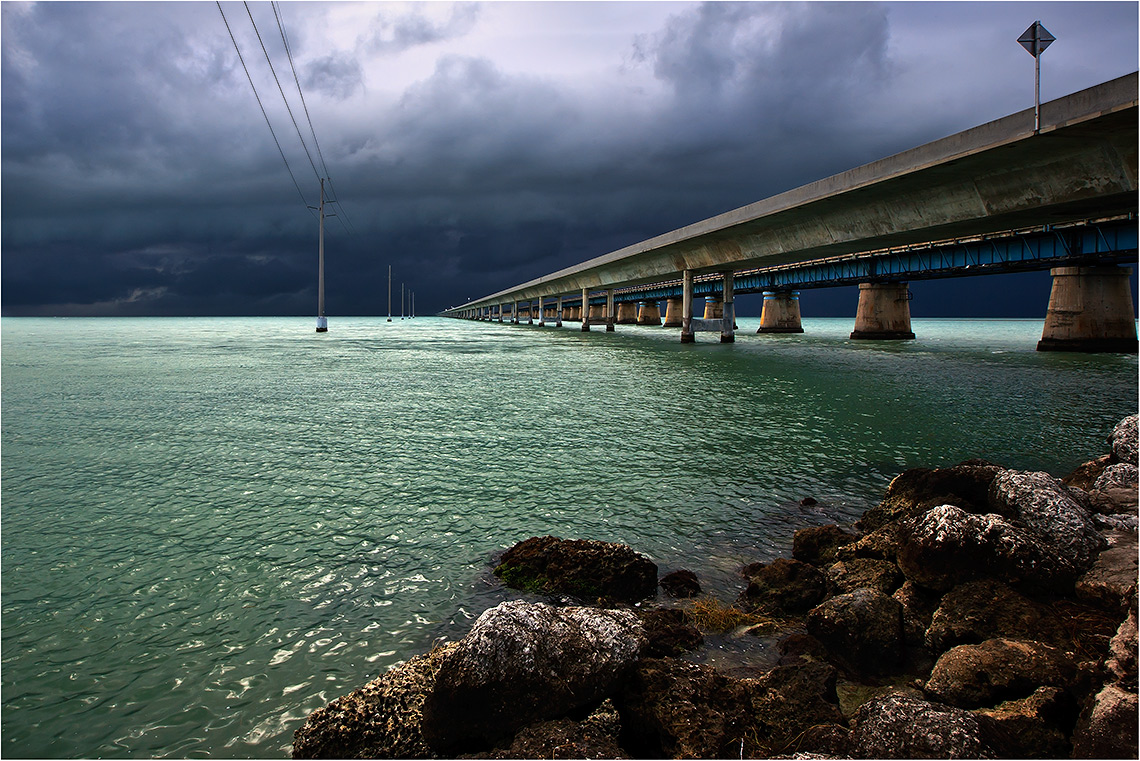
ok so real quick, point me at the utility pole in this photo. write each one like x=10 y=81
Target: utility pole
x=389 y=293
x=413 y=305
x=322 y=321
x=401 y=301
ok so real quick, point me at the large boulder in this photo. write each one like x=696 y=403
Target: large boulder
x=973 y=676
x=849 y=575
x=1111 y=581
x=1121 y=663
x=984 y=609
x=1122 y=475
x=523 y=662
x=669 y=632
x=682 y=583
x=676 y=709
x=382 y=719
x=1037 y=726
x=947 y=546
x=1107 y=728
x=783 y=586
x=862 y=631
x=1123 y=440
x=914 y=491
x=1047 y=507
x=901 y=726
x=817 y=544
x=1085 y=475
x=584 y=568
x=596 y=736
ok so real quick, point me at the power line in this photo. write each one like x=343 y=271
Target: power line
x=281 y=90
x=260 y=105
x=305 y=106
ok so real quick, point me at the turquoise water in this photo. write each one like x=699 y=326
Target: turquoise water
x=211 y=527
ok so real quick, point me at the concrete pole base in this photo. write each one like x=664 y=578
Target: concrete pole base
x=883 y=313
x=781 y=313
x=778 y=331
x=609 y=326
x=649 y=314
x=673 y=317
x=322 y=325
x=1090 y=310
x=688 y=338
x=727 y=338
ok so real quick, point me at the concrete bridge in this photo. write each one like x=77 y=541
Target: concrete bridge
x=1066 y=194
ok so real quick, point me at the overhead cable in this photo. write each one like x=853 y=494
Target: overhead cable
x=260 y=105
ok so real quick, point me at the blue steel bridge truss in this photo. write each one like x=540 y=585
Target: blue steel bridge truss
x=1110 y=241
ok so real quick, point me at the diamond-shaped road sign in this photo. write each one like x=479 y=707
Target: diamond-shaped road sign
x=1035 y=39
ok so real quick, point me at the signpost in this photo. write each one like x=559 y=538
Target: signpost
x=1035 y=39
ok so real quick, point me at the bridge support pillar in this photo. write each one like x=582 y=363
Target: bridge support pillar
x=515 y=313
x=883 y=312
x=585 y=310
x=610 y=317
x=673 y=308
x=558 y=314
x=541 y=312
x=687 y=336
x=627 y=313
x=714 y=310
x=648 y=313
x=728 y=312
x=1090 y=310
x=781 y=313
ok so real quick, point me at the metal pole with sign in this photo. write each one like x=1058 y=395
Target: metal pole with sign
x=1035 y=39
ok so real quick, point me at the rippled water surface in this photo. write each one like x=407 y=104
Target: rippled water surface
x=211 y=527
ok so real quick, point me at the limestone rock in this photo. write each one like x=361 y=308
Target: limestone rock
x=862 y=631
x=1123 y=440
x=523 y=662
x=675 y=709
x=918 y=607
x=594 y=737
x=973 y=676
x=1111 y=581
x=880 y=544
x=669 y=632
x=984 y=609
x=817 y=544
x=1044 y=505
x=382 y=719
x=947 y=546
x=1122 y=475
x=1084 y=476
x=784 y=585
x=900 y=726
x=914 y=491
x=1108 y=727
x=849 y=575
x=681 y=584
x=1037 y=726
x=587 y=569
x=1121 y=664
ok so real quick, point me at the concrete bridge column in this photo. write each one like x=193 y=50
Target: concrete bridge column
x=558 y=317
x=883 y=312
x=597 y=314
x=673 y=308
x=541 y=312
x=515 y=312
x=728 y=312
x=713 y=308
x=627 y=313
x=781 y=313
x=648 y=313
x=610 y=316
x=585 y=310
x=1090 y=310
x=687 y=336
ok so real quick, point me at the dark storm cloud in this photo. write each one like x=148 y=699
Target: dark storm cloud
x=139 y=176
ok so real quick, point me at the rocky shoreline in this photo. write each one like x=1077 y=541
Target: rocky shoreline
x=976 y=612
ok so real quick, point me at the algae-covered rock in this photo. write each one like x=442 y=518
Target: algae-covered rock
x=986 y=608
x=901 y=726
x=973 y=676
x=862 y=631
x=784 y=586
x=1047 y=508
x=587 y=569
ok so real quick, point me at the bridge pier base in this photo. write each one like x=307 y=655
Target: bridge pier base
x=610 y=316
x=728 y=312
x=673 y=317
x=585 y=310
x=714 y=310
x=648 y=313
x=626 y=313
x=1090 y=310
x=687 y=336
x=558 y=314
x=781 y=313
x=883 y=312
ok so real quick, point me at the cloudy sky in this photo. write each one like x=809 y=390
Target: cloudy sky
x=472 y=146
